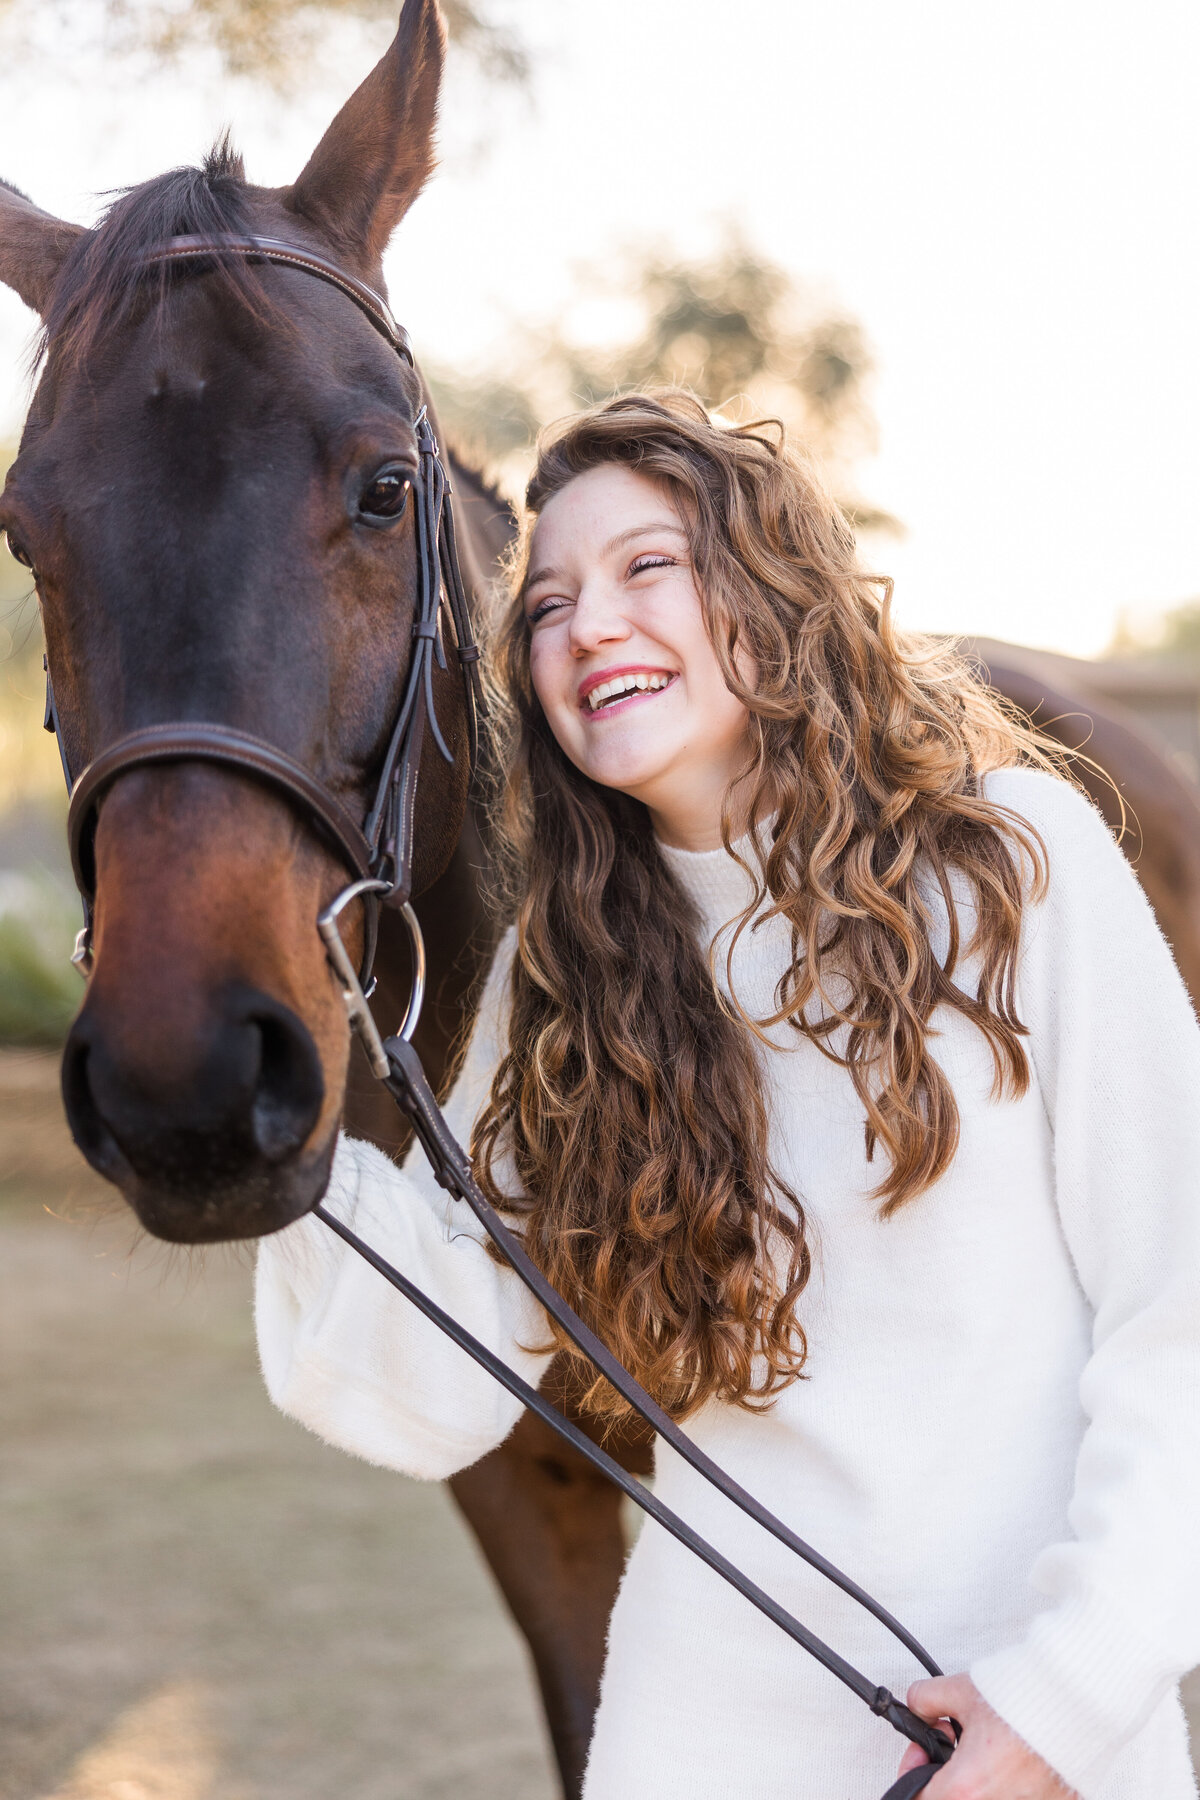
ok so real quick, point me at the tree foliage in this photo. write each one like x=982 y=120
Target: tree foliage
x=1181 y=631
x=269 y=40
x=39 y=990
x=733 y=327
x=1175 y=632
x=27 y=753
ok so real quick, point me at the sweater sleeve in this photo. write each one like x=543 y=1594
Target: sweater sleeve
x=345 y=1354
x=1115 y=1050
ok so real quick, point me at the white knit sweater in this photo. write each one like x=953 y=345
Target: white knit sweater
x=999 y=1435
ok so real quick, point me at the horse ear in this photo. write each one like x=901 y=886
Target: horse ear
x=33 y=247
x=378 y=154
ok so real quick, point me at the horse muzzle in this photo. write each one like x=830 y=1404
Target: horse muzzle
x=208 y=1133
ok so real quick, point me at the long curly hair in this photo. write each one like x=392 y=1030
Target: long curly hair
x=630 y=1105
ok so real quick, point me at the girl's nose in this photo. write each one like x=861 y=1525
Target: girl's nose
x=597 y=619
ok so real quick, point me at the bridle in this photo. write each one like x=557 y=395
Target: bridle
x=379 y=850
x=379 y=853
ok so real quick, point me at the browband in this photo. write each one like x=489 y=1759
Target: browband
x=274 y=250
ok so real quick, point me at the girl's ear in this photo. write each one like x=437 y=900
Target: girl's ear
x=33 y=247
x=378 y=154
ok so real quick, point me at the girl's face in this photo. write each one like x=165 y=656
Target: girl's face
x=620 y=657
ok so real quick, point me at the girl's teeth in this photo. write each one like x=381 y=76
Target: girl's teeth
x=624 y=685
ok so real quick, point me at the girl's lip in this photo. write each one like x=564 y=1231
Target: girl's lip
x=607 y=710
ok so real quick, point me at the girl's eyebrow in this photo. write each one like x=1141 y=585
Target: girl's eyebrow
x=655 y=528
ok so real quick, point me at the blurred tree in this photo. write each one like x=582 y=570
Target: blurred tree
x=1174 y=633
x=493 y=421
x=39 y=990
x=735 y=328
x=271 y=40
x=27 y=754
x=1180 y=634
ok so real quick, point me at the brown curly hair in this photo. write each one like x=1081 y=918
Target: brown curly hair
x=630 y=1103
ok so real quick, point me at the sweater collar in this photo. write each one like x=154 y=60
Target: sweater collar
x=718 y=887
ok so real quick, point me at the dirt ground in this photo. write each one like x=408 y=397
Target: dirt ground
x=202 y=1602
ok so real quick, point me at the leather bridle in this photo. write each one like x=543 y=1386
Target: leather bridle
x=378 y=853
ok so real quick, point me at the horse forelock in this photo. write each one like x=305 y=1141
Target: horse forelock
x=107 y=277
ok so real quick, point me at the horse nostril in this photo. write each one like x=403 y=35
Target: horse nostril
x=192 y=1110
x=291 y=1086
x=83 y=1115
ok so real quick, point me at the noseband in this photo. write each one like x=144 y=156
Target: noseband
x=378 y=853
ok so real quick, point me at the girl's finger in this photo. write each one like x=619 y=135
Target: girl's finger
x=914 y=1758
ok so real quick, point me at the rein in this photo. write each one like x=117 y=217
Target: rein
x=379 y=854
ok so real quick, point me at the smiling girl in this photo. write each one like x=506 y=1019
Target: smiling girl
x=836 y=1071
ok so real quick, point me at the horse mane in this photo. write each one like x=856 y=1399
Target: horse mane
x=106 y=279
x=12 y=188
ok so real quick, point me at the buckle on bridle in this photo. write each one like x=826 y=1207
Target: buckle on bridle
x=358 y=1011
x=81 y=955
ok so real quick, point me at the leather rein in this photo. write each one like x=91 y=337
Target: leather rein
x=378 y=853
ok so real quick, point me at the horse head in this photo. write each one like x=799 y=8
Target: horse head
x=212 y=490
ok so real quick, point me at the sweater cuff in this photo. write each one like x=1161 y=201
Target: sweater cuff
x=1082 y=1684
x=374 y=1424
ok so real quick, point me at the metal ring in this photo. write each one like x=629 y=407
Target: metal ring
x=416 y=997
x=357 y=1010
x=81 y=956
x=337 y=907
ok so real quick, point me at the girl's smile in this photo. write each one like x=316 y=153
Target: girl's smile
x=613 y=689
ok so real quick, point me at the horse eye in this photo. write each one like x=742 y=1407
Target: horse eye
x=387 y=495
x=17 y=550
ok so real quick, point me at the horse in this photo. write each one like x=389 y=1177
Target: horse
x=211 y=491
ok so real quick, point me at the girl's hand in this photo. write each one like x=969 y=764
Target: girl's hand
x=991 y=1762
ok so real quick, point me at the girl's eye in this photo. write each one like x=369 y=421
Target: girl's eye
x=387 y=495
x=544 y=607
x=642 y=563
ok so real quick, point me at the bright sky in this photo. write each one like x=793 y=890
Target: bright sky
x=1007 y=197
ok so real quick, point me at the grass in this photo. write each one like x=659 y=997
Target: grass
x=39 y=991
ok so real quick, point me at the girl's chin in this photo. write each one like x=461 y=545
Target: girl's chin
x=631 y=776
x=628 y=753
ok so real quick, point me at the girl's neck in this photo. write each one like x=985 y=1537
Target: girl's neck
x=696 y=825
